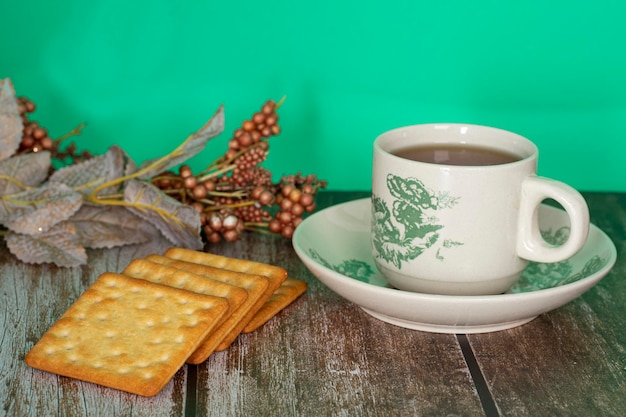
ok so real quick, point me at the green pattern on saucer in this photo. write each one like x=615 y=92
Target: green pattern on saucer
x=352 y=268
x=537 y=276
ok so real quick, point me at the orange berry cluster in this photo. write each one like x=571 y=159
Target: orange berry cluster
x=35 y=138
x=296 y=197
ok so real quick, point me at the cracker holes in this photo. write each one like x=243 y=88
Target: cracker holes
x=64 y=334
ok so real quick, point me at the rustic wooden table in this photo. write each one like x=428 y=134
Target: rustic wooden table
x=323 y=356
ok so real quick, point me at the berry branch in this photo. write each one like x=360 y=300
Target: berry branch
x=234 y=193
x=35 y=138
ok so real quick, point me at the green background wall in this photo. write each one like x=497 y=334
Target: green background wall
x=145 y=74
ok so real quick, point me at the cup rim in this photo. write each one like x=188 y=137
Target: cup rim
x=526 y=150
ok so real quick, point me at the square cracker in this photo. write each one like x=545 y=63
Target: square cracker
x=184 y=280
x=255 y=285
x=127 y=334
x=286 y=294
x=276 y=276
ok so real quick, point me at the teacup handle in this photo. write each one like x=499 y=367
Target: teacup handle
x=530 y=244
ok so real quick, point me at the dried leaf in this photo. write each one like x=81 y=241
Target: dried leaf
x=102 y=226
x=193 y=145
x=178 y=222
x=131 y=166
x=11 y=125
x=26 y=170
x=87 y=175
x=37 y=210
x=59 y=245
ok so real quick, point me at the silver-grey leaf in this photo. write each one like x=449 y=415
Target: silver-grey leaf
x=193 y=145
x=11 y=125
x=36 y=211
x=131 y=166
x=178 y=222
x=59 y=245
x=104 y=226
x=92 y=173
x=26 y=170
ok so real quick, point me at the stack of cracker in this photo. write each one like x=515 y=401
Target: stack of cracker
x=132 y=331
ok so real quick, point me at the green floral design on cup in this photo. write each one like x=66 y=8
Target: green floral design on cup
x=404 y=231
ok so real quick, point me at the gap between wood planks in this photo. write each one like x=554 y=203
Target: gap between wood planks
x=191 y=396
x=484 y=394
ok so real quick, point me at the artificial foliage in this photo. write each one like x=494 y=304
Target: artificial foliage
x=52 y=213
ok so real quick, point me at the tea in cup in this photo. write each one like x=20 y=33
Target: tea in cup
x=454 y=209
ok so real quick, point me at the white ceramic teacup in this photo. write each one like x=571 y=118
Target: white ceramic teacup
x=463 y=229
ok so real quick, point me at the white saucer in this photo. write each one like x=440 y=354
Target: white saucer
x=334 y=244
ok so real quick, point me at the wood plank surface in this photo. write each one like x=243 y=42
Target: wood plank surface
x=323 y=356
x=571 y=361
